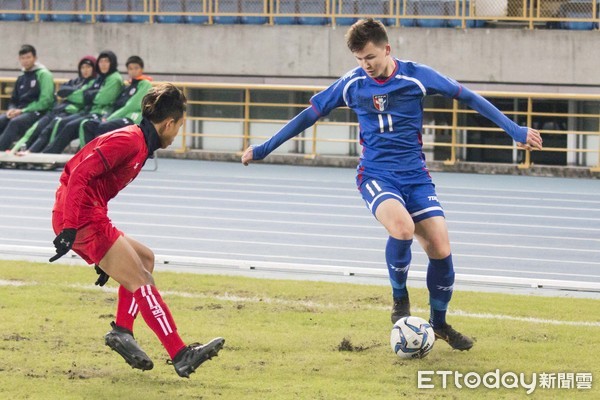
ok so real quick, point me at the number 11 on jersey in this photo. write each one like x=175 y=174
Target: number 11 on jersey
x=383 y=120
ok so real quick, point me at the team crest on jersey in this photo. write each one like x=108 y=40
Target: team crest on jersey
x=380 y=101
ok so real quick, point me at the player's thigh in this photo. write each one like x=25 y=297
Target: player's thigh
x=123 y=264
x=143 y=251
x=432 y=234
x=392 y=214
x=386 y=203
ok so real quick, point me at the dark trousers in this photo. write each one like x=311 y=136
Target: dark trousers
x=42 y=132
x=68 y=129
x=95 y=127
x=13 y=129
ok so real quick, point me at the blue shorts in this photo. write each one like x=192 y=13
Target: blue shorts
x=419 y=199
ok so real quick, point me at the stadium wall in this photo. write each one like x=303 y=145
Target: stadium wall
x=278 y=54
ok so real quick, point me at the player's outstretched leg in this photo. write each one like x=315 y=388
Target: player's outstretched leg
x=158 y=318
x=121 y=340
x=440 y=282
x=193 y=355
x=398 y=257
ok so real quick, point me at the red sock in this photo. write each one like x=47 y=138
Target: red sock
x=127 y=309
x=159 y=318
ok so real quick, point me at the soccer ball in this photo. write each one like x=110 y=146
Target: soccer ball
x=412 y=337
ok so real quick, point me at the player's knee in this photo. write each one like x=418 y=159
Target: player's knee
x=437 y=249
x=141 y=278
x=401 y=229
x=148 y=260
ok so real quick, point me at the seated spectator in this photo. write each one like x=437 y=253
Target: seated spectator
x=32 y=96
x=128 y=106
x=71 y=93
x=98 y=102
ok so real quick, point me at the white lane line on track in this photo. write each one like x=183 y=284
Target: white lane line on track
x=255 y=231
x=329 y=247
x=125 y=196
x=374 y=226
x=180 y=176
x=334 y=261
x=158 y=189
x=341 y=188
x=365 y=215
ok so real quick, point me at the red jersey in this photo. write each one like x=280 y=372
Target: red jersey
x=100 y=170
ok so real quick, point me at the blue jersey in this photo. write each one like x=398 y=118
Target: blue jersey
x=390 y=113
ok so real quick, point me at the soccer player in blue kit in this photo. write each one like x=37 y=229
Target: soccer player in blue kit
x=387 y=96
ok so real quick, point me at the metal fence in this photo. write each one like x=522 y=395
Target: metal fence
x=229 y=117
x=562 y=14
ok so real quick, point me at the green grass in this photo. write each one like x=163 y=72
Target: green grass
x=282 y=340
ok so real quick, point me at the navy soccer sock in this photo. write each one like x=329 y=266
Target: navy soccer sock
x=398 y=257
x=440 y=282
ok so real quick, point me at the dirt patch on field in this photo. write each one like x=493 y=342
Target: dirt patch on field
x=346 y=345
x=14 y=337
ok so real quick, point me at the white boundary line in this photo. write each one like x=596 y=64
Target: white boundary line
x=26 y=252
x=311 y=304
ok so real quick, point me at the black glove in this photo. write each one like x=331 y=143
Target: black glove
x=103 y=276
x=64 y=242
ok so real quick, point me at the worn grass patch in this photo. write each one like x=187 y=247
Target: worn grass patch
x=284 y=340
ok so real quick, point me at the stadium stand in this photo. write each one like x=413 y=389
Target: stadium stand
x=249 y=7
x=126 y=10
x=577 y=9
x=227 y=7
x=65 y=11
x=552 y=14
x=168 y=12
x=312 y=7
x=12 y=10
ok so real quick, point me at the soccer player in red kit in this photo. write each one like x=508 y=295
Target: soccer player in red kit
x=96 y=174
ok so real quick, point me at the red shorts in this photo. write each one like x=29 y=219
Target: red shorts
x=93 y=239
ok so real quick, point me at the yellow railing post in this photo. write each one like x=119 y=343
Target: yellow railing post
x=183 y=128
x=527 y=162
x=150 y=10
x=531 y=7
x=313 y=153
x=597 y=167
x=453 y=143
x=246 y=140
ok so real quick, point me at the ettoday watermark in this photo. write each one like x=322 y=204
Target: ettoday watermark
x=497 y=379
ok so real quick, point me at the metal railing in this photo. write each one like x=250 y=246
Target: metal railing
x=229 y=117
x=567 y=14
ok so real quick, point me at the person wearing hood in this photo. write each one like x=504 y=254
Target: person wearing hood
x=71 y=93
x=32 y=96
x=98 y=102
x=128 y=107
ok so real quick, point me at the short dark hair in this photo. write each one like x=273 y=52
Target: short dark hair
x=364 y=31
x=135 y=60
x=27 y=48
x=162 y=102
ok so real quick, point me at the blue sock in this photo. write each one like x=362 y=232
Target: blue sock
x=398 y=256
x=440 y=282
